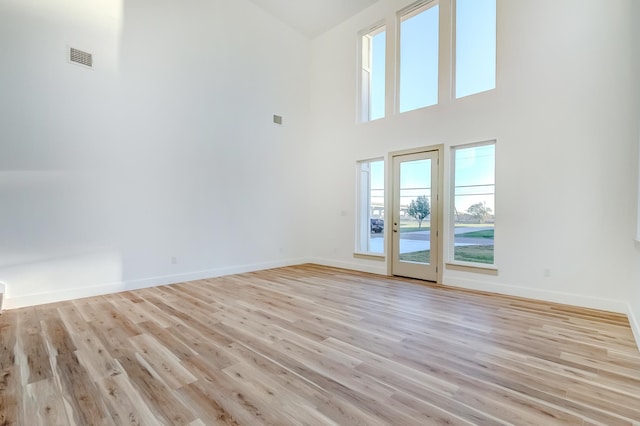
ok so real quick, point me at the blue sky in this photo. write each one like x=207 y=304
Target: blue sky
x=475 y=176
x=419 y=60
x=378 y=61
x=475 y=46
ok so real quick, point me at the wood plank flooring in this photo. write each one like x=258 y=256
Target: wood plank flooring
x=311 y=345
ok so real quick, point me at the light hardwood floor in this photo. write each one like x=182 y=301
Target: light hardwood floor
x=315 y=345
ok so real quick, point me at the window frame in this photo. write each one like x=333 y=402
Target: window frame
x=365 y=105
x=452 y=263
x=402 y=15
x=363 y=210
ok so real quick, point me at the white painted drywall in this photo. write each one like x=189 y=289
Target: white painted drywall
x=566 y=124
x=166 y=149
x=634 y=299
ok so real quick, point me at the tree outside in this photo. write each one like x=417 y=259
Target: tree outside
x=419 y=209
x=480 y=211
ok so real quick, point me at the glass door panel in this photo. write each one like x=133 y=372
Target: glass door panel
x=414 y=211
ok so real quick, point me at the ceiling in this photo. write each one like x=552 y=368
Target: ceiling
x=313 y=17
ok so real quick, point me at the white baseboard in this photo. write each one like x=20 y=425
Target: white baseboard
x=635 y=325
x=380 y=270
x=109 y=288
x=210 y=273
x=572 y=299
x=63 y=295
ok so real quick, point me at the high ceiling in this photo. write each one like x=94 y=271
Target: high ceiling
x=313 y=17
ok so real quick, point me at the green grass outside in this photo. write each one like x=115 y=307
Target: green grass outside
x=422 y=256
x=477 y=254
x=486 y=233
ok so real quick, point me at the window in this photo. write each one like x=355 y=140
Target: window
x=370 y=207
x=475 y=37
x=372 y=102
x=419 y=56
x=474 y=203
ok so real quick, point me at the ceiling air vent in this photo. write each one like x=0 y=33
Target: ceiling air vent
x=81 y=58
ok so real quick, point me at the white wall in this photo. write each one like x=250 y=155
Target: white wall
x=166 y=149
x=634 y=299
x=566 y=125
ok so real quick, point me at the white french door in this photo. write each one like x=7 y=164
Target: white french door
x=415 y=215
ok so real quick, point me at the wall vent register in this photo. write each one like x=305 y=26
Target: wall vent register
x=79 y=57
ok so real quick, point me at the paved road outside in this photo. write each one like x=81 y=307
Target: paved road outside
x=419 y=240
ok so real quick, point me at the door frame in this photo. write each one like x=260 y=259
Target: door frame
x=388 y=206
